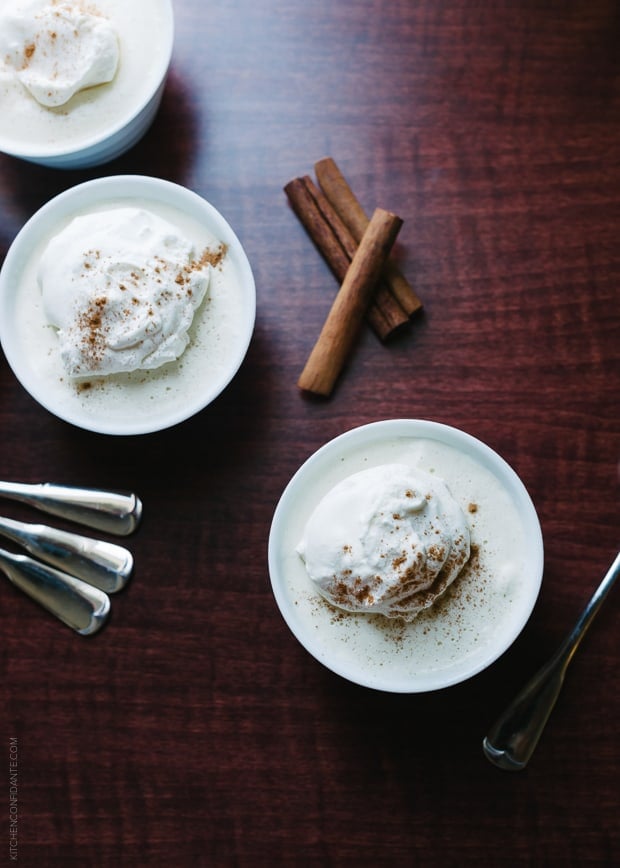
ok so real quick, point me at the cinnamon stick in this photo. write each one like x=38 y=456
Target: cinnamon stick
x=338 y=247
x=345 y=204
x=384 y=302
x=350 y=305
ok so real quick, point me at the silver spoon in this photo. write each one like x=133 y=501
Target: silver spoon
x=115 y=512
x=105 y=565
x=76 y=603
x=513 y=738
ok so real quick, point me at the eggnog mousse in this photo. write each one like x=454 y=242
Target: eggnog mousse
x=121 y=287
x=122 y=309
x=72 y=70
x=57 y=48
x=405 y=555
x=388 y=540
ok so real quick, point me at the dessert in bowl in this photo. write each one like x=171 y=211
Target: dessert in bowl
x=80 y=82
x=127 y=304
x=405 y=555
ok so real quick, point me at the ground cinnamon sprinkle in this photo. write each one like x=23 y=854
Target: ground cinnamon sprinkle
x=207 y=257
x=90 y=324
x=212 y=257
x=437 y=552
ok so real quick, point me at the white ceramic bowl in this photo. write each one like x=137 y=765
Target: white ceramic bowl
x=145 y=401
x=481 y=615
x=114 y=130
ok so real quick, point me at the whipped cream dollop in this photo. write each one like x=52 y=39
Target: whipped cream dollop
x=57 y=47
x=122 y=287
x=388 y=540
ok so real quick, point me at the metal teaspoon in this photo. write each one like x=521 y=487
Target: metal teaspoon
x=513 y=738
x=78 y=605
x=116 y=512
x=105 y=565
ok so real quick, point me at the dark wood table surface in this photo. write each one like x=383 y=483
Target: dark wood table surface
x=194 y=730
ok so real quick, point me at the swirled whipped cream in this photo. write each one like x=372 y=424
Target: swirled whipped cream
x=388 y=540
x=57 y=47
x=122 y=287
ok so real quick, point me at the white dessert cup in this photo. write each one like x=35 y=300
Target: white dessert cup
x=63 y=401
x=121 y=134
x=322 y=630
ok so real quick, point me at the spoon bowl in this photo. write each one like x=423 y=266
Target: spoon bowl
x=513 y=738
x=105 y=565
x=77 y=604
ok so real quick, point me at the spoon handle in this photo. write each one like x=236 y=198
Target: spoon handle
x=105 y=565
x=115 y=512
x=77 y=604
x=512 y=740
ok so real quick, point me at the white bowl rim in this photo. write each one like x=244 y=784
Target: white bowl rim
x=418 y=428
x=90 y=193
x=38 y=152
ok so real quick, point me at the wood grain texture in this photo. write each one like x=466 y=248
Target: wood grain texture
x=194 y=730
